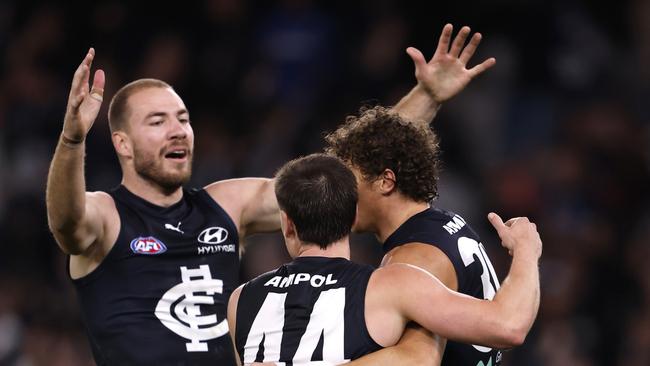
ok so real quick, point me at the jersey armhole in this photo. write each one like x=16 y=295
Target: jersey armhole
x=217 y=207
x=361 y=311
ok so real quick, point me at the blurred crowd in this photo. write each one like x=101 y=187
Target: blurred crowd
x=558 y=130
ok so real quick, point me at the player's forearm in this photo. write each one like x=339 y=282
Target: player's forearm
x=417 y=106
x=387 y=356
x=66 y=186
x=518 y=297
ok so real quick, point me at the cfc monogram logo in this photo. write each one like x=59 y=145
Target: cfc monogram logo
x=179 y=308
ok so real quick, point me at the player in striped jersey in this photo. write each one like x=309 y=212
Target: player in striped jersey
x=322 y=307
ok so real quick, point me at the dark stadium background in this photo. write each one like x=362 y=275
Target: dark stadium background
x=559 y=131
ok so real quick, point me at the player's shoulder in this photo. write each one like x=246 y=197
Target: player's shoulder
x=100 y=196
x=270 y=279
x=433 y=227
x=397 y=276
x=102 y=201
x=433 y=218
x=449 y=221
x=443 y=215
x=263 y=278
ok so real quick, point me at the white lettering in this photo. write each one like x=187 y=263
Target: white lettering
x=296 y=278
x=315 y=281
x=287 y=281
x=454 y=225
x=226 y=248
x=275 y=281
x=301 y=277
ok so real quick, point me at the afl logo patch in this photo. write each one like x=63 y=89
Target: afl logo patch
x=213 y=235
x=147 y=245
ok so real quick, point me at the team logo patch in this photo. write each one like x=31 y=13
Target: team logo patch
x=213 y=235
x=148 y=246
x=180 y=308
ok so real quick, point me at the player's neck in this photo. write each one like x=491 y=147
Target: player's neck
x=395 y=213
x=338 y=249
x=151 y=192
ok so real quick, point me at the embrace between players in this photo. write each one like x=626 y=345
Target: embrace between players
x=157 y=264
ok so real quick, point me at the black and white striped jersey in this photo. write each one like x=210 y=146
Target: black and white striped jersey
x=311 y=309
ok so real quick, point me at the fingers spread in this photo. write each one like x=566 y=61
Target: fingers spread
x=445 y=39
x=468 y=51
x=416 y=56
x=459 y=41
x=480 y=68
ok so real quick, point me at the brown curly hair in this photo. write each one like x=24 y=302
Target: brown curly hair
x=378 y=139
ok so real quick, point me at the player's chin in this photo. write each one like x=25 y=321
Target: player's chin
x=178 y=177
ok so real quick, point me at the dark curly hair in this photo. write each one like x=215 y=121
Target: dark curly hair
x=378 y=139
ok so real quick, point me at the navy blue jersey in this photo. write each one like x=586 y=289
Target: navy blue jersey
x=476 y=277
x=312 y=309
x=160 y=295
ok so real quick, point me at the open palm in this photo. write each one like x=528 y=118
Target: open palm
x=83 y=102
x=446 y=74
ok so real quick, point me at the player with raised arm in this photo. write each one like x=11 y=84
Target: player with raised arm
x=398 y=181
x=152 y=261
x=322 y=307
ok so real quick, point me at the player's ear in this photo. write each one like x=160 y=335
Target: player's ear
x=387 y=182
x=288 y=227
x=122 y=144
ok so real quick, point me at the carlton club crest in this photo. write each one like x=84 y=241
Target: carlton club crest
x=179 y=308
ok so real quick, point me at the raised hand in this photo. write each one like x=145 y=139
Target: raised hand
x=446 y=74
x=83 y=102
x=517 y=234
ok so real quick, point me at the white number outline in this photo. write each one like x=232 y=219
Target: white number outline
x=468 y=247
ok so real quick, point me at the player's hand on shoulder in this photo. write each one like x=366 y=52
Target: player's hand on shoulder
x=518 y=235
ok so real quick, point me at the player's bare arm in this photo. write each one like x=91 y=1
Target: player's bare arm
x=418 y=346
x=250 y=202
x=78 y=219
x=442 y=77
x=501 y=323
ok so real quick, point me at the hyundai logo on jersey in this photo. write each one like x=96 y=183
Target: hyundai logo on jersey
x=148 y=245
x=213 y=235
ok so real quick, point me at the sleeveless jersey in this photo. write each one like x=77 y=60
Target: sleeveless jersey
x=476 y=277
x=311 y=309
x=160 y=295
